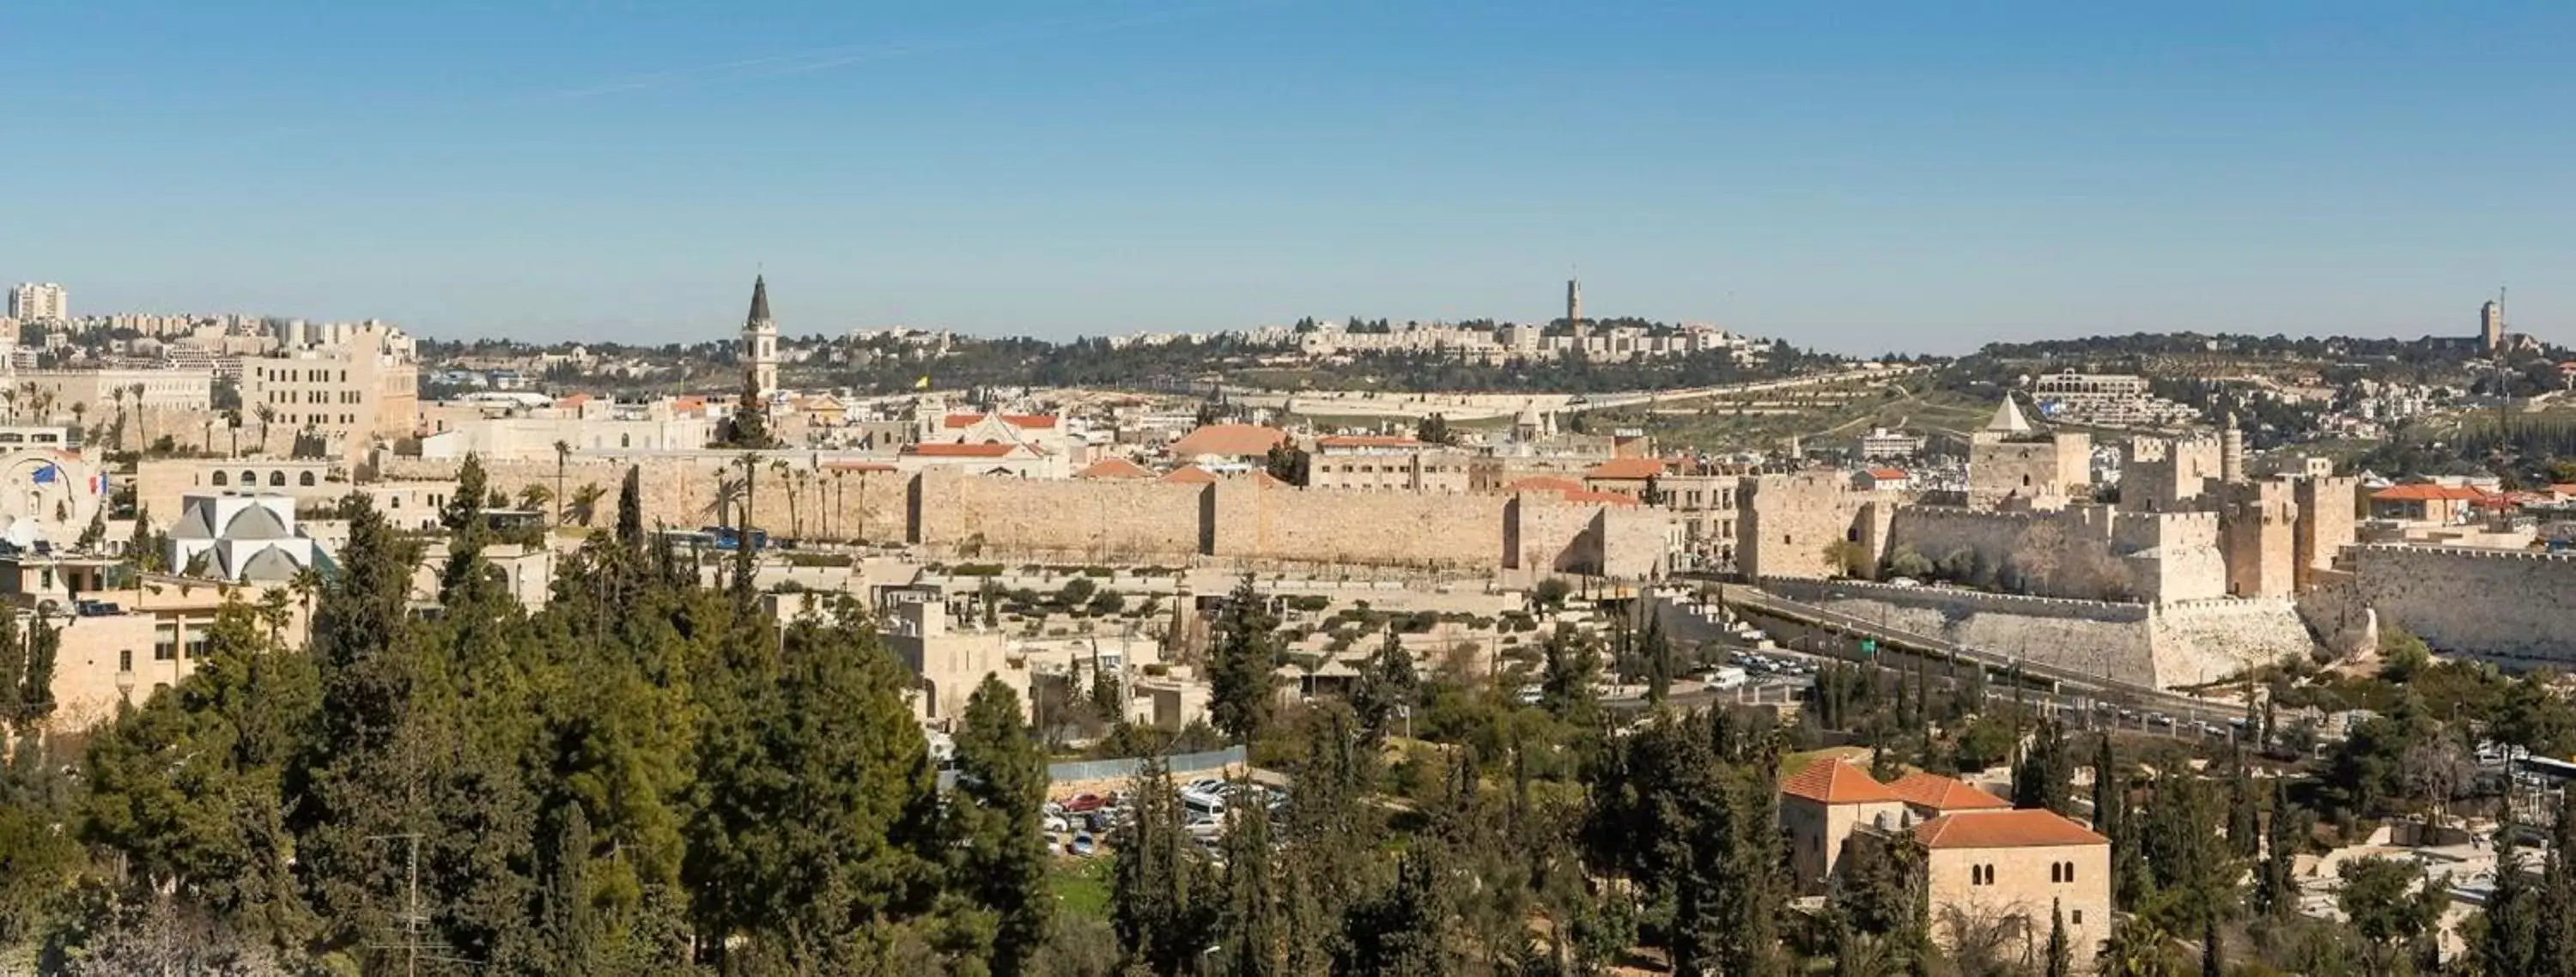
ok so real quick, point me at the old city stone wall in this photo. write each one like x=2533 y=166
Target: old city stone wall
x=2167 y=645
x=1108 y=519
x=684 y=492
x=2495 y=603
x=1789 y=520
x=2114 y=641
x=2206 y=640
x=1253 y=521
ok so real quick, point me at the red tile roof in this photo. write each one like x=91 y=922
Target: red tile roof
x=1021 y=421
x=1627 y=468
x=1228 y=441
x=1113 y=468
x=2427 y=492
x=1545 y=483
x=1832 y=781
x=1944 y=794
x=1888 y=474
x=1367 y=441
x=2034 y=828
x=1189 y=475
x=960 y=450
x=1590 y=497
x=573 y=400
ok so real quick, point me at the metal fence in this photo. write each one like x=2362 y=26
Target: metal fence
x=1122 y=769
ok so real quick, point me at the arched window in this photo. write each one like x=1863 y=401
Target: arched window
x=625 y=440
x=250 y=479
x=277 y=478
x=222 y=479
x=305 y=479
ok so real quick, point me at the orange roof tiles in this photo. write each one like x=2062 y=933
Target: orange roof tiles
x=2033 y=828
x=1113 y=468
x=1832 y=781
x=1545 y=483
x=1626 y=468
x=573 y=400
x=1189 y=475
x=1228 y=441
x=1888 y=474
x=1944 y=794
x=960 y=450
x=2426 y=492
x=1022 y=421
x=1601 y=498
x=1367 y=441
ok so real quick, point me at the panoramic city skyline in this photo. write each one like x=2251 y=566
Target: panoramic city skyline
x=1857 y=181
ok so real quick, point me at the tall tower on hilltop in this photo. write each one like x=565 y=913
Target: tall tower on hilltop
x=760 y=340
x=1574 y=306
x=2491 y=323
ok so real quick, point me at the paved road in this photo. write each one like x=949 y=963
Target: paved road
x=2058 y=679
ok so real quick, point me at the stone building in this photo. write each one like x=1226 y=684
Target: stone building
x=1386 y=464
x=2011 y=463
x=360 y=386
x=1984 y=861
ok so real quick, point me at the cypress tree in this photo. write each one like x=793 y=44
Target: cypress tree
x=1657 y=649
x=36 y=689
x=996 y=811
x=2554 y=935
x=2061 y=955
x=1250 y=927
x=2213 y=958
x=2276 y=883
x=630 y=510
x=568 y=918
x=1239 y=666
x=2508 y=945
x=2243 y=833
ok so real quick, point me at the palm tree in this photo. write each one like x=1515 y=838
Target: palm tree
x=233 y=424
x=267 y=416
x=118 y=394
x=785 y=481
x=563 y=453
x=306 y=583
x=585 y=502
x=80 y=415
x=535 y=496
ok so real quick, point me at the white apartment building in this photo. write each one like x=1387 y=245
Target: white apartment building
x=362 y=383
x=40 y=302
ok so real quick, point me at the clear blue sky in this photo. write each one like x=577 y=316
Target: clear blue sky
x=1856 y=176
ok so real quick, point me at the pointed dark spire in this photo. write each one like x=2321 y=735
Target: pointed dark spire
x=759 y=299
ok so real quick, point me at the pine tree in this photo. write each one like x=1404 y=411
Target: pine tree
x=143 y=548
x=1566 y=679
x=13 y=672
x=1240 y=664
x=995 y=814
x=1387 y=685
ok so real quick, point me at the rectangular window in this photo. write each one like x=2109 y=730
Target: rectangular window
x=165 y=643
x=2077 y=917
x=125 y=659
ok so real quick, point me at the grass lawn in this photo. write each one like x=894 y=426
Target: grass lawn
x=1081 y=885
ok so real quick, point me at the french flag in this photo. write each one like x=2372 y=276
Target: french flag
x=98 y=484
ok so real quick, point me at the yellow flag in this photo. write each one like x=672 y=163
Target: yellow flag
x=923 y=383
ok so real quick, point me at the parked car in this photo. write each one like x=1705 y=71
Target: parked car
x=1084 y=846
x=1082 y=803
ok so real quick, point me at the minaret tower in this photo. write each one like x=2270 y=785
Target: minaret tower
x=1574 y=307
x=2231 y=452
x=760 y=340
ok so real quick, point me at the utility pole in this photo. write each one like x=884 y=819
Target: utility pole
x=412 y=918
